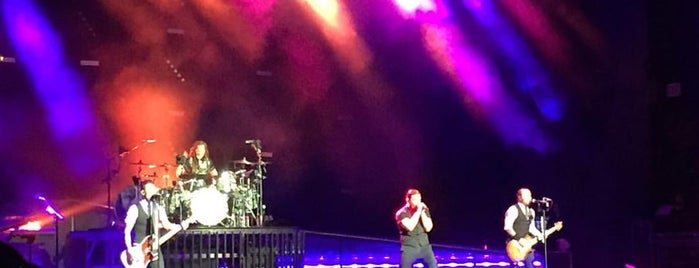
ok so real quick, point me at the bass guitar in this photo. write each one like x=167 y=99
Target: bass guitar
x=140 y=255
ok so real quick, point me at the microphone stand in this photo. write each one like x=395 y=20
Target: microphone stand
x=111 y=173
x=259 y=173
x=545 y=206
x=57 y=216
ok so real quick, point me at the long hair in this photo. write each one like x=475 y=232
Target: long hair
x=193 y=155
x=192 y=150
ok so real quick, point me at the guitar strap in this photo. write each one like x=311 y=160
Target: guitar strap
x=152 y=206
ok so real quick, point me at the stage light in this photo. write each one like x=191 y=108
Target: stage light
x=30 y=226
x=415 y=5
x=93 y=63
x=7 y=59
x=326 y=9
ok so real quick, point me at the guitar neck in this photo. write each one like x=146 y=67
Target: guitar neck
x=550 y=231
x=164 y=238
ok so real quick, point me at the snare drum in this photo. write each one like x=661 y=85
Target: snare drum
x=209 y=206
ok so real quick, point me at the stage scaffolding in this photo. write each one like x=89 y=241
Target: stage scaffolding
x=238 y=247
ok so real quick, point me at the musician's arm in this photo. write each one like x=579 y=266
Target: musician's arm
x=179 y=171
x=164 y=222
x=426 y=220
x=510 y=217
x=185 y=168
x=407 y=221
x=213 y=172
x=130 y=221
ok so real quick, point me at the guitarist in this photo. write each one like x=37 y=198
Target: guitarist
x=519 y=222
x=140 y=218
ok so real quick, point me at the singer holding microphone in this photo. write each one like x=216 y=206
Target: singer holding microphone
x=414 y=222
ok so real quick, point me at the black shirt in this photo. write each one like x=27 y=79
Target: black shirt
x=415 y=238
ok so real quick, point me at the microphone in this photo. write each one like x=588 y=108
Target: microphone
x=424 y=207
x=252 y=141
x=542 y=200
x=149 y=141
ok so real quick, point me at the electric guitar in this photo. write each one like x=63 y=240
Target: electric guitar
x=517 y=249
x=140 y=255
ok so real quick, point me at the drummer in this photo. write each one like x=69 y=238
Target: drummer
x=197 y=170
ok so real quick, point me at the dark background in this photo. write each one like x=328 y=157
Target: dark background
x=623 y=147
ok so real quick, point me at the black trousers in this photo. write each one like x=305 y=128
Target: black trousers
x=409 y=254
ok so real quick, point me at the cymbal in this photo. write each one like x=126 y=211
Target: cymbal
x=246 y=162
x=140 y=163
x=243 y=162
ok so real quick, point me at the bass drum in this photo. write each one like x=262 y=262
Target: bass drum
x=209 y=207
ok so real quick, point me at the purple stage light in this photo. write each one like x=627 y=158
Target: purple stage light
x=529 y=74
x=58 y=87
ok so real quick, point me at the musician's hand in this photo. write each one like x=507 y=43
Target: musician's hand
x=185 y=225
x=558 y=225
x=179 y=171
x=423 y=206
x=134 y=253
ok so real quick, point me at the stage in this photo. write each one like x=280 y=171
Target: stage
x=259 y=247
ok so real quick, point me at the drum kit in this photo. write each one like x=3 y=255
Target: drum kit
x=233 y=199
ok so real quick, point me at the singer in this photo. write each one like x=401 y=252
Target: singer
x=414 y=222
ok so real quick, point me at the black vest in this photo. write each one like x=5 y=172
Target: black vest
x=522 y=223
x=143 y=226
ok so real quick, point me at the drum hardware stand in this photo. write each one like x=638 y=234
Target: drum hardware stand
x=111 y=173
x=167 y=174
x=259 y=175
x=180 y=187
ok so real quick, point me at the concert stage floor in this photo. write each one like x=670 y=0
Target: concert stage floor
x=266 y=247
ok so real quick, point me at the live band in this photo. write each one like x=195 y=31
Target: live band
x=232 y=198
